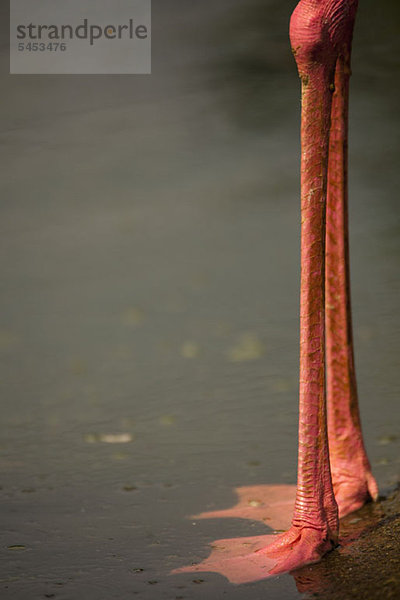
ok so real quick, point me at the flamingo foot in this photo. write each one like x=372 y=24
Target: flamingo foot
x=298 y=547
x=352 y=491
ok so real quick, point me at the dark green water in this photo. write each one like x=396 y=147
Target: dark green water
x=150 y=282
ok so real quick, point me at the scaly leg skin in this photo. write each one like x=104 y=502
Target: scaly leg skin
x=319 y=29
x=353 y=482
x=314 y=527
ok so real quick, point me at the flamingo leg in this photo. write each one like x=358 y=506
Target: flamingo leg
x=353 y=482
x=319 y=29
x=333 y=474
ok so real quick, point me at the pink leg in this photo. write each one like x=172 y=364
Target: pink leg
x=353 y=482
x=314 y=527
x=320 y=32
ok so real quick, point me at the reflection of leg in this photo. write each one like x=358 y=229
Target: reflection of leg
x=270 y=504
x=353 y=482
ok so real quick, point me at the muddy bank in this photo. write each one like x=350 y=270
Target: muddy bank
x=367 y=567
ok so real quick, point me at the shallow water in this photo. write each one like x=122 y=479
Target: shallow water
x=150 y=282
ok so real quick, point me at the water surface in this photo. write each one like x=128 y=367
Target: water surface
x=150 y=283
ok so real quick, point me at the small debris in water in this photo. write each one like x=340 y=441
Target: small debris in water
x=198 y=580
x=153 y=582
x=167 y=420
x=16 y=547
x=249 y=347
x=119 y=455
x=190 y=350
x=108 y=438
x=255 y=503
x=382 y=462
x=129 y=488
x=133 y=316
x=384 y=440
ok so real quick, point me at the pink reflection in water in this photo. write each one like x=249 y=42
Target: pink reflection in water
x=271 y=504
x=238 y=559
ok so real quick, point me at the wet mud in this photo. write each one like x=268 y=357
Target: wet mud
x=367 y=563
